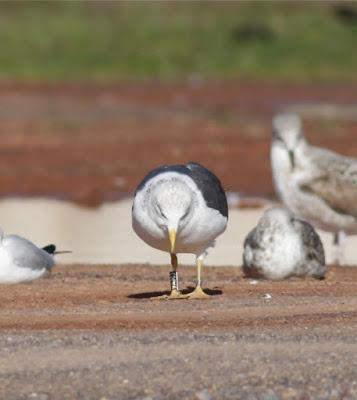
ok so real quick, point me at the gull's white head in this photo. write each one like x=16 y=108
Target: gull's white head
x=287 y=133
x=172 y=203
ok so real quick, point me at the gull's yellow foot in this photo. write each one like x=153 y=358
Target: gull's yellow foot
x=198 y=294
x=174 y=295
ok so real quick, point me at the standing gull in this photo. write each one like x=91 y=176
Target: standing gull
x=180 y=209
x=318 y=185
x=21 y=260
x=281 y=246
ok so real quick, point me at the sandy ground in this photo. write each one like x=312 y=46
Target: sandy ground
x=91 y=332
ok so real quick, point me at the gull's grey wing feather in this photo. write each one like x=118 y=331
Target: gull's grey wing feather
x=210 y=187
x=311 y=241
x=335 y=180
x=25 y=254
x=252 y=244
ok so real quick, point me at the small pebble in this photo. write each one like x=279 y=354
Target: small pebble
x=39 y=396
x=203 y=395
x=267 y=296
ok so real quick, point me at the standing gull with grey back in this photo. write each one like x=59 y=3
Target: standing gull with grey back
x=180 y=209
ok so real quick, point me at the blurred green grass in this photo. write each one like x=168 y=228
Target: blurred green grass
x=113 y=41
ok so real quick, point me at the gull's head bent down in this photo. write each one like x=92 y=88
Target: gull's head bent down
x=277 y=216
x=171 y=205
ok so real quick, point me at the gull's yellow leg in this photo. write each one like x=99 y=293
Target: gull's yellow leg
x=198 y=293
x=175 y=292
x=174 y=283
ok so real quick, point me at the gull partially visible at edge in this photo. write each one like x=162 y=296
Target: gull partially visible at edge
x=316 y=184
x=23 y=261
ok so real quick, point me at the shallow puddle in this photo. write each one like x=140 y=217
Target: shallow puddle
x=104 y=235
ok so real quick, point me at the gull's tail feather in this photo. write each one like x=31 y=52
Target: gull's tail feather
x=51 y=249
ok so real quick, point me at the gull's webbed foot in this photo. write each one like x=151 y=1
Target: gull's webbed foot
x=198 y=294
x=174 y=295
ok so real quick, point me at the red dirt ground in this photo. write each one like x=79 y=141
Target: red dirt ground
x=109 y=297
x=91 y=143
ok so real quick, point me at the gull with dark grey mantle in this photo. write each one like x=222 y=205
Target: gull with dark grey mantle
x=180 y=209
x=281 y=246
x=23 y=261
x=316 y=184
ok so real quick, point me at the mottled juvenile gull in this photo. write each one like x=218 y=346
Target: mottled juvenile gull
x=281 y=246
x=180 y=209
x=21 y=260
x=316 y=184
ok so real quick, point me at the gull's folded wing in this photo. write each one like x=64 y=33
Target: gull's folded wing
x=335 y=181
x=311 y=241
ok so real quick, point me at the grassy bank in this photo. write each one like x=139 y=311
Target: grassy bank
x=172 y=40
